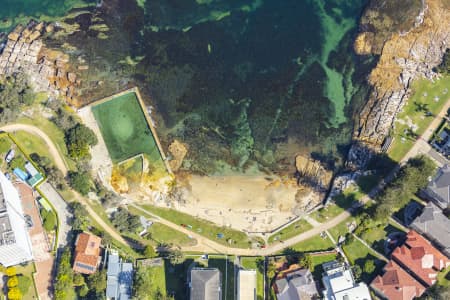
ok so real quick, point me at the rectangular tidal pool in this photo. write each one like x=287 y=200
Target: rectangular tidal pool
x=125 y=129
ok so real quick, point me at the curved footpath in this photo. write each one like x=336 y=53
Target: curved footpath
x=61 y=164
x=206 y=245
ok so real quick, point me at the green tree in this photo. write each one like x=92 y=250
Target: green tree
x=64 y=277
x=80 y=220
x=15 y=95
x=83 y=290
x=142 y=284
x=369 y=266
x=79 y=139
x=17 y=162
x=97 y=281
x=357 y=271
x=13 y=281
x=78 y=279
x=80 y=182
x=175 y=256
x=14 y=294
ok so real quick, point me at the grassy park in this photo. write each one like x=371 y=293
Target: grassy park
x=341 y=203
x=426 y=102
x=290 y=231
x=125 y=129
x=316 y=243
x=231 y=237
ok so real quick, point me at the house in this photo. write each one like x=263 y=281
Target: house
x=205 y=284
x=340 y=285
x=438 y=190
x=419 y=257
x=119 y=278
x=396 y=283
x=246 y=285
x=35 y=177
x=87 y=253
x=433 y=224
x=295 y=285
x=15 y=242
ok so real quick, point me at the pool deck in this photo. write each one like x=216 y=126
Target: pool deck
x=135 y=90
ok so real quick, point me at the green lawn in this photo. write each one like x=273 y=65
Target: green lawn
x=424 y=93
x=251 y=263
x=226 y=267
x=176 y=278
x=342 y=202
x=208 y=229
x=313 y=244
x=157 y=279
x=357 y=253
x=161 y=233
x=53 y=132
x=32 y=144
x=290 y=231
x=377 y=235
x=28 y=270
x=125 y=129
x=341 y=229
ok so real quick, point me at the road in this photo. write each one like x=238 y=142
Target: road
x=206 y=245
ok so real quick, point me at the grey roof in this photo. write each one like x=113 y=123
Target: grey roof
x=435 y=225
x=119 y=278
x=205 y=284
x=297 y=285
x=439 y=187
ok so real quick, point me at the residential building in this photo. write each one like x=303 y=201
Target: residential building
x=433 y=224
x=295 y=285
x=396 y=283
x=119 y=278
x=15 y=242
x=87 y=253
x=205 y=284
x=419 y=257
x=340 y=285
x=246 y=285
x=438 y=190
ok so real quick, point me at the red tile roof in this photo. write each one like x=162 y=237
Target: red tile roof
x=421 y=258
x=87 y=253
x=396 y=283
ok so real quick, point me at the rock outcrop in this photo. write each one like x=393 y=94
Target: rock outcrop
x=404 y=57
x=46 y=69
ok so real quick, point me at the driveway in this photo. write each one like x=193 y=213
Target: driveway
x=64 y=215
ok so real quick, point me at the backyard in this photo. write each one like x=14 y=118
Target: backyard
x=427 y=100
x=251 y=263
x=317 y=261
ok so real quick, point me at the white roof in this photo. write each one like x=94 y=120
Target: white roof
x=340 y=285
x=246 y=285
x=20 y=250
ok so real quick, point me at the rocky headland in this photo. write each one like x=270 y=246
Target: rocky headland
x=410 y=38
x=47 y=70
